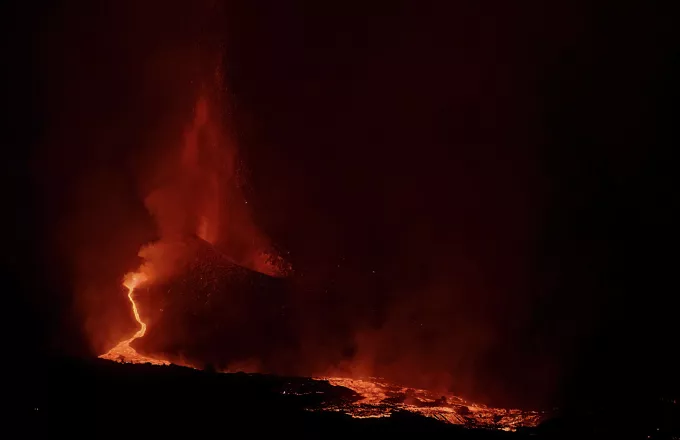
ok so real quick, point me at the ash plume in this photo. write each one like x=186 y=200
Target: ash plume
x=436 y=176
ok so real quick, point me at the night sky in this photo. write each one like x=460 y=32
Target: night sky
x=467 y=191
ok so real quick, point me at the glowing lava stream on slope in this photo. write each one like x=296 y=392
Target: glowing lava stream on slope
x=123 y=352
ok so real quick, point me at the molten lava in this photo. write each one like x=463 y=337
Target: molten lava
x=377 y=398
x=123 y=352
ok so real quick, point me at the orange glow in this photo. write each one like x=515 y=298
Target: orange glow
x=377 y=398
x=198 y=194
x=132 y=280
x=123 y=352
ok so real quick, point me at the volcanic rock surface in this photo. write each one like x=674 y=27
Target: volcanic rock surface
x=215 y=312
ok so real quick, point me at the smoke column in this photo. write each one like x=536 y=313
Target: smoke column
x=428 y=172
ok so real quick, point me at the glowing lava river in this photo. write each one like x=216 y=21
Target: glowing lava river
x=123 y=352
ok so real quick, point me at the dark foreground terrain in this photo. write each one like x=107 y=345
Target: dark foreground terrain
x=103 y=399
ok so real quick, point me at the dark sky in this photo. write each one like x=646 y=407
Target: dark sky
x=475 y=190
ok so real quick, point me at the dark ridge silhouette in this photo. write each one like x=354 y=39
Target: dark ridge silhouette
x=104 y=399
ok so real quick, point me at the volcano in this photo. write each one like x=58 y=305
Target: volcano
x=215 y=312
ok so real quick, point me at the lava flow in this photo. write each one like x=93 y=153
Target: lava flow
x=123 y=352
x=377 y=398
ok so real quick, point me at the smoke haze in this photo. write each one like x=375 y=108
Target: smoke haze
x=428 y=174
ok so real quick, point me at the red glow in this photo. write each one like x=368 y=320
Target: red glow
x=199 y=195
x=123 y=352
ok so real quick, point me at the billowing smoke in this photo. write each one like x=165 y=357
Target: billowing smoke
x=142 y=145
x=198 y=193
x=400 y=184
